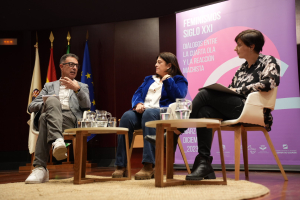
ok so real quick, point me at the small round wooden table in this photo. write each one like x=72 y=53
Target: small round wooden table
x=81 y=152
x=170 y=126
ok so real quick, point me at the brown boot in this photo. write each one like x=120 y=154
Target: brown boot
x=147 y=172
x=120 y=172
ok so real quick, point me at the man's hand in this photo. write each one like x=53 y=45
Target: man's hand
x=140 y=108
x=73 y=85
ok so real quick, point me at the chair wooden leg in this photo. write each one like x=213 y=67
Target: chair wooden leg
x=222 y=156
x=127 y=155
x=32 y=159
x=68 y=154
x=237 y=146
x=183 y=155
x=131 y=146
x=51 y=157
x=213 y=134
x=274 y=153
x=245 y=152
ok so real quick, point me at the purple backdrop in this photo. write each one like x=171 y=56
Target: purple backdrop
x=205 y=43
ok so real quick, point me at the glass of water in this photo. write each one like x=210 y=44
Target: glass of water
x=182 y=113
x=112 y=122
x=164 y=113
x=79 y=123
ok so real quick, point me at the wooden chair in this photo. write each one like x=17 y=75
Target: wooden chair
x=138 y=142
x=251 y=119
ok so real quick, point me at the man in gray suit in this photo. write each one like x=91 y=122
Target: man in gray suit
x=57 y=114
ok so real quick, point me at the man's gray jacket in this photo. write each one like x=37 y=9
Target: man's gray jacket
x=78 y=103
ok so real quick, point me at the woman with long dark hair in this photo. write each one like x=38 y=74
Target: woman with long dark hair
x=157 y=91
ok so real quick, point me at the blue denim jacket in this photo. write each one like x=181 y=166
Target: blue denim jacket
x=174 y=87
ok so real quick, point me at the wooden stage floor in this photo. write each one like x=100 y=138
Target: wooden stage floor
x=273 y=180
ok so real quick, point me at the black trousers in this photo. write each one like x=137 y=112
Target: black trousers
x=213 y=104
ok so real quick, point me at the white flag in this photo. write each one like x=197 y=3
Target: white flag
x=35 y=89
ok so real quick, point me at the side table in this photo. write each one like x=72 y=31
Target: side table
x=81 y=152
x=170 y=126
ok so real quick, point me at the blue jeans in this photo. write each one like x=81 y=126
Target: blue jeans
x=134 y=120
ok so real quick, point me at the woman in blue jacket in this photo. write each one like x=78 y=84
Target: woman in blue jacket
x=158 y=90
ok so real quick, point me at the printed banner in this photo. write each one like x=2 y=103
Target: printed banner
x=205 y=51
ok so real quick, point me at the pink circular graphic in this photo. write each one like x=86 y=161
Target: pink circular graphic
x=215 y=51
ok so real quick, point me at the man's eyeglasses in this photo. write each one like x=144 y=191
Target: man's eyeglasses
x=70 y=64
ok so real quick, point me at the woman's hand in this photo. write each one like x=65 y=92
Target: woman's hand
x=140 y=108
x=165 y=77
x=233 y=89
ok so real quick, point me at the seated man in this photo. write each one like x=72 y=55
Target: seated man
x=55 y=115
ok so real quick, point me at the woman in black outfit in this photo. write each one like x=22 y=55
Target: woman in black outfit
x=259 y=73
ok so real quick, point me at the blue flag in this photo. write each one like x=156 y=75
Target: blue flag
x=86 y=77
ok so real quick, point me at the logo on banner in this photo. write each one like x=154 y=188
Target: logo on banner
x=286 y=150
x=263 y=148
x=226 y=153
x=251 y=149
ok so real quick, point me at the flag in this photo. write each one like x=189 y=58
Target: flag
x=35 y=89
x=86 y=77
x=51 y=74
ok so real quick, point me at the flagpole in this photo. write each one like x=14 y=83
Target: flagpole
x=51 y=74
x=36 y=40
x=68 y=38
x=51 y=38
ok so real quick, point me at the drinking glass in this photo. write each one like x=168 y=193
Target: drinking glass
x=101 y=118
x=79 y=123
x=164 y=113
x=183 y=108
x=112 y=122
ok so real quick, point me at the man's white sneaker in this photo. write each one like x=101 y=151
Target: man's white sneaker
x=59 y=149
x=38 y=175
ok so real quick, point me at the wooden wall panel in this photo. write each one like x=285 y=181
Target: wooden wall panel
x=136 y=49
x=16 y=71
x=167 y=33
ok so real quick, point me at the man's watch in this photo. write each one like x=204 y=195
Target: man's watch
x=77 y=91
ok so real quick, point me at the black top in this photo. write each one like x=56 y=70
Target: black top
x=263 y=75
